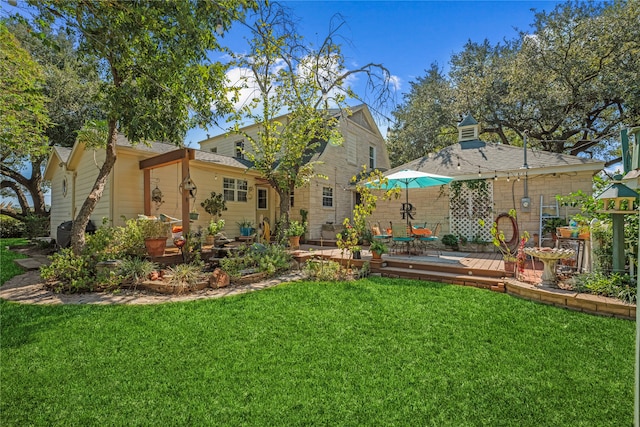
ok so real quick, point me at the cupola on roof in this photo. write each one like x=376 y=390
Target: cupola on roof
x=468 y=129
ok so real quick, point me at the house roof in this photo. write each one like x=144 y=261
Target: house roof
x=60 y=153
x=203 y=156
x=66 y=155
x=468 y=121
x=463 y=160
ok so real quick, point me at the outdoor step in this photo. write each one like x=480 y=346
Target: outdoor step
x=445 y=268
x=33 y=263
x=440 y=276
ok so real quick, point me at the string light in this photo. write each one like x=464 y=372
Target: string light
x=495 y=175
x=518 y=176
x=508 y=178
x=458 y=162
x=479 y=173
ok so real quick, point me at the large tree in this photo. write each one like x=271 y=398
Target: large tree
x=309 y=84
x=23 y=121
x=158 y=78
x=571 y=83
x=425 y=121
x=70 y=85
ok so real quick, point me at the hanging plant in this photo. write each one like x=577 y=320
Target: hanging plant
x=215 y=204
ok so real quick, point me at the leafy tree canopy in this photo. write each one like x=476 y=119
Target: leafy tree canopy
x=23 y=116
x=571 y=84
x=298 y=93
x=158 y=80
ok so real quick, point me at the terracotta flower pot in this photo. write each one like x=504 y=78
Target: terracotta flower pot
x=510 y=267
x=376 y=255
x=294 y=242
x=155 y=247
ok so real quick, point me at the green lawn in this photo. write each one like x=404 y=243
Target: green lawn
x=8 y=268
x=372 y=352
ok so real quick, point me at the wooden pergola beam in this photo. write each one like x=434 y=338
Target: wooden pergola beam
x=169 y=158
x=181 y=155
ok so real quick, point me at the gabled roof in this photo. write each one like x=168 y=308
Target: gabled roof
x=491 y=158
x=203 y=156
x=66 y=155
x=468 y=121
x=58 y=155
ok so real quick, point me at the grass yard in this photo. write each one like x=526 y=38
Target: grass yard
x=371 y=352
x=8 y=268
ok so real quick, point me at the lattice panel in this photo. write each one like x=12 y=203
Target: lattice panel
x=467 y=207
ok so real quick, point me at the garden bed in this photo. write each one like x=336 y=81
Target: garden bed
x=162 y=287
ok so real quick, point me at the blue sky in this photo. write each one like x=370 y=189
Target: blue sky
x=404 y=36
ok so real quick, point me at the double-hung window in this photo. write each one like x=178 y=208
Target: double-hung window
x=240 y=150
x=327 y=197
x=235 y=190
x=372 y=158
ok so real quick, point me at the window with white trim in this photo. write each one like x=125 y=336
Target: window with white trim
x=327 y=197
x=239 y=149
x=372 y=158
x=235 y=190
x=262 y=198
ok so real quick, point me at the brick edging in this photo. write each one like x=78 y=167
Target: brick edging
x=593 y=304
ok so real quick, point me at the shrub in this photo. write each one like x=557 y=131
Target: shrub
x=36 y=226
x=616 y=285
x=323 y=270
x=184 y=275
x=450 y=240
x=268 y=259
x=69 y=272
x=11 y=227
x=136 y=270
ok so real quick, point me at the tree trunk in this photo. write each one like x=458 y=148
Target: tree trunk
x=82 y=219
x=284 y=213
x=33 y=185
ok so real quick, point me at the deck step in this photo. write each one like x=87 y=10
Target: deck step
x=444 y=268
x=441 y=276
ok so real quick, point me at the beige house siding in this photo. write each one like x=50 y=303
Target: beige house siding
x=549 y=186
x=87 y=172
x=338 y=163
x=61 y=205
x=432 y=204
x=431 y=207
x=225 y=144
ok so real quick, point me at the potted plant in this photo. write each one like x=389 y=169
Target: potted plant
x=155 y=234
x=552 y=224
x=194 y=215
x=451 y=241
x=246 y=227
x=295 y=230
x=214 y=228
x=378 y=248
x=215 y=204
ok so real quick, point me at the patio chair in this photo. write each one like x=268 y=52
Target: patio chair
x=379 y=234
x=400 y=236
x=433 y=237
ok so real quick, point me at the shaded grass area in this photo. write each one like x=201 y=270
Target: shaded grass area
x=8 y=268
x=371 y=352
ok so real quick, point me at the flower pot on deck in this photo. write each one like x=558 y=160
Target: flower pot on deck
x=155 y=247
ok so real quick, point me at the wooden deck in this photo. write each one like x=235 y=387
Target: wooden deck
x=478 y=269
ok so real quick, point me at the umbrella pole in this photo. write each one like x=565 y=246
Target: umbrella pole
x=406 y=212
